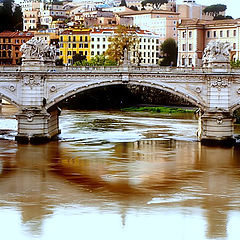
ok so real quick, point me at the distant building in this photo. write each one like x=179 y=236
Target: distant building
x=10 y=43
x=163 y=23
x=195 y=34
x=190 y=9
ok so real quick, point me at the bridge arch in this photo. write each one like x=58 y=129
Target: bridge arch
x=9 y=97
x=60 y=96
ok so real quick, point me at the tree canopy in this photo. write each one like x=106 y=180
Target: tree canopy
x=156 y=4
x=10 y=20
x=98 y=60
x=169 y=52
x=215 y=9
x=124 y=37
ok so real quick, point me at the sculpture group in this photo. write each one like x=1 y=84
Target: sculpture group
x=216 y=51
x=38 y=49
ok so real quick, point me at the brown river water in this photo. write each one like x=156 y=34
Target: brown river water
x=118 y=175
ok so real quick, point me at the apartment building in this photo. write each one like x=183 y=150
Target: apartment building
x=195 y=34
x=160 y=22
x=148 y=46
x=10 y=43
x=72 y=42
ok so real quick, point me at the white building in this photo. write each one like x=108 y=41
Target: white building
x=148 y=47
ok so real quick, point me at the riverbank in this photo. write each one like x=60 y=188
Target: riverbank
x=160 y=109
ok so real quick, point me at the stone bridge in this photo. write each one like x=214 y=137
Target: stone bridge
x=38 y=89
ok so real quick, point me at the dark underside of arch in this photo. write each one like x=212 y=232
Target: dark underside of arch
x=120 y=96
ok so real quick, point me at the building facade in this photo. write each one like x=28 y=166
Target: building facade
x=194 y=35
x=147 y=47
x=72 y=42
x=162 y=23
x=10 y=43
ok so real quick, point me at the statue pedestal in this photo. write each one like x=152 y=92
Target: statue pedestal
x=32 y=64
x=219 y=66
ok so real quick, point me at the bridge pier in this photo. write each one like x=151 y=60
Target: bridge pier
x=36 y=125
x=217 y=128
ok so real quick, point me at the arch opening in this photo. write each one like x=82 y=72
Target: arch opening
x=119 y=96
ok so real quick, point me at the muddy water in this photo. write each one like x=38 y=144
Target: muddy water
x=115 y=175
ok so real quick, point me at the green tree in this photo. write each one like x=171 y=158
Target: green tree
x=59 y=62
x=10 y=20
x=98 y=60
x=221 y=17
x=18 y=19
x=156 y=4
x=214 y=10
x=124 y=37
x=78 y=58
x=169 y=52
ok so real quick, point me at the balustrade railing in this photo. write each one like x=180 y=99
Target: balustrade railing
x=114 y=69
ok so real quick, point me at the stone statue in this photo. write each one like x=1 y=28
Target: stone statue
x=38 y=49
x=216 y=51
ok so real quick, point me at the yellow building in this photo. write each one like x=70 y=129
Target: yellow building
x=72 y=42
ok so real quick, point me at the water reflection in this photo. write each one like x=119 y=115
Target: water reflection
x=95 y=187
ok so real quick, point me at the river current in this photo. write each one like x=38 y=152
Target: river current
x=118 y=175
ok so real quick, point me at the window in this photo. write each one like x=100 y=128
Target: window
x=69 y=45
x=69 y=39
x=92 y=53
x=69 y=53
x=234 y=45
x=98 y=46
x=184 y=47
x=183 y=34
x=104 y=46
x=81 y=39
x=92 y=39
x=74 y=53
x=61 y=39
x=86 y=53
x=214 y=34
x=234 y=33
x=85 y=45
x=98 y=39
x=61 y=53
x=183 y=61
x=86 y=38
x=104 y=39
x=81 y=45
x=221 y=33
x=74 y=39
x=227 y=33
x=92 y=45
x=190 y=61
x=74 y=45
x=190 y=47
x=190 y=34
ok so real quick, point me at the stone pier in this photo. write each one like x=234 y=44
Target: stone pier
x=217 y=128
x=36 y=125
